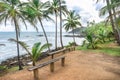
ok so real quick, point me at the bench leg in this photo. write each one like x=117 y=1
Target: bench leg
x=52 y=67
x=63 y=62
x=36 y=74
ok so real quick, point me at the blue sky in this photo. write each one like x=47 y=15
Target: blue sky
x=88 y=10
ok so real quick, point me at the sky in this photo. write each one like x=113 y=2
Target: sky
x=87 y=9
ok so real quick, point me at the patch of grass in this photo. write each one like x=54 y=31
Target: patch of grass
x=104 y=48
x=13 y=69
x=81 y=48
x=110 y=50
x=5 y=70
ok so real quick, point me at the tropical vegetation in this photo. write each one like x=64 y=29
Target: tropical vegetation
x=11 y=10
x=35 y=11
x=34 y=54
x=112 y=8
x=97 y=35
x=57 y=7
x=72 y=22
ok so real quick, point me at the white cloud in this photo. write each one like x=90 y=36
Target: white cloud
x=87 y=7
x=88 y=10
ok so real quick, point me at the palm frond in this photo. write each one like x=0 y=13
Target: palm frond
x=22 y=44
x=45 y=46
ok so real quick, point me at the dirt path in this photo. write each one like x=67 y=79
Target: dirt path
x=79 y=66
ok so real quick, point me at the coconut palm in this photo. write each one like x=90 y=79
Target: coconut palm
x=72 y=22
x=60 y=25
x=54 y=8
x=36 y=11
x=34 y=54
x=10 y=11
x=113 y=9
x=61 y=2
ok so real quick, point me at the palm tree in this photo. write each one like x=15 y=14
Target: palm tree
x=72 y=22
x=54 y=8
x=60 y=25
x=116 y=4
x=36 y=10
x=111 y=7
x=61 y=2
x=35 y=54
x=10 y=10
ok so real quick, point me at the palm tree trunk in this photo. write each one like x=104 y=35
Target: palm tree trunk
x=56 y=31
x=44 y=33
x=74 y=37
x=111 y=18
x=117 y=29
x=16 y=31
x=35 y=72
x=60 y=25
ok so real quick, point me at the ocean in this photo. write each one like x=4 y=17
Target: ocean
x=9 y=50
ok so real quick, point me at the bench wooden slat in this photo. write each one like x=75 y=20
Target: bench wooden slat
x=57 y=51
x=45 y=63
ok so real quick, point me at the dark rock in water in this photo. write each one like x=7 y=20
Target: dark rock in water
x=74 y=36
x=2 y=44
x=27 y=36
x=40 y=35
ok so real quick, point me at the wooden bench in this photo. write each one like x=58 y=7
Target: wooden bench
x=51 y=62
x=56 y=52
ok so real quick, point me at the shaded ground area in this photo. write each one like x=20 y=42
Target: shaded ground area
x=80 y=65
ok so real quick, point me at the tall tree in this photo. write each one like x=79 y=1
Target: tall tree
x=36 y=11
x=72 y=22
x=111 y=9
x=10 y=10
x=54 y=8
x=60 y=25
x=114 y=4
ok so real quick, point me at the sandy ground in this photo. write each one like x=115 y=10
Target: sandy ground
x=79 y=65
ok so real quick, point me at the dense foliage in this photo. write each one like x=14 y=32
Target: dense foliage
x=97 y=33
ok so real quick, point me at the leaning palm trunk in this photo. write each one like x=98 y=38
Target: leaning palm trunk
x=111 y=18
x=35 y=72
x=117 y=29
x=44 y=33
x=18 y=52
x=60 y=25
x=56 y=31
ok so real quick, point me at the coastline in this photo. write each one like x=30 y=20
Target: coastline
x=24 y=60
x=30 y=39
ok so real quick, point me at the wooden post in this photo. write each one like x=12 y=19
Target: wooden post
x=36 y=74
x=52 y=67
x=52 y=56
x=62 y=61
x=69 y=49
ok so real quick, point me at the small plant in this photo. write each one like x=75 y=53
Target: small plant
x=90 y=42
x=3 y=70
x=102 y=34
x=70 y=44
